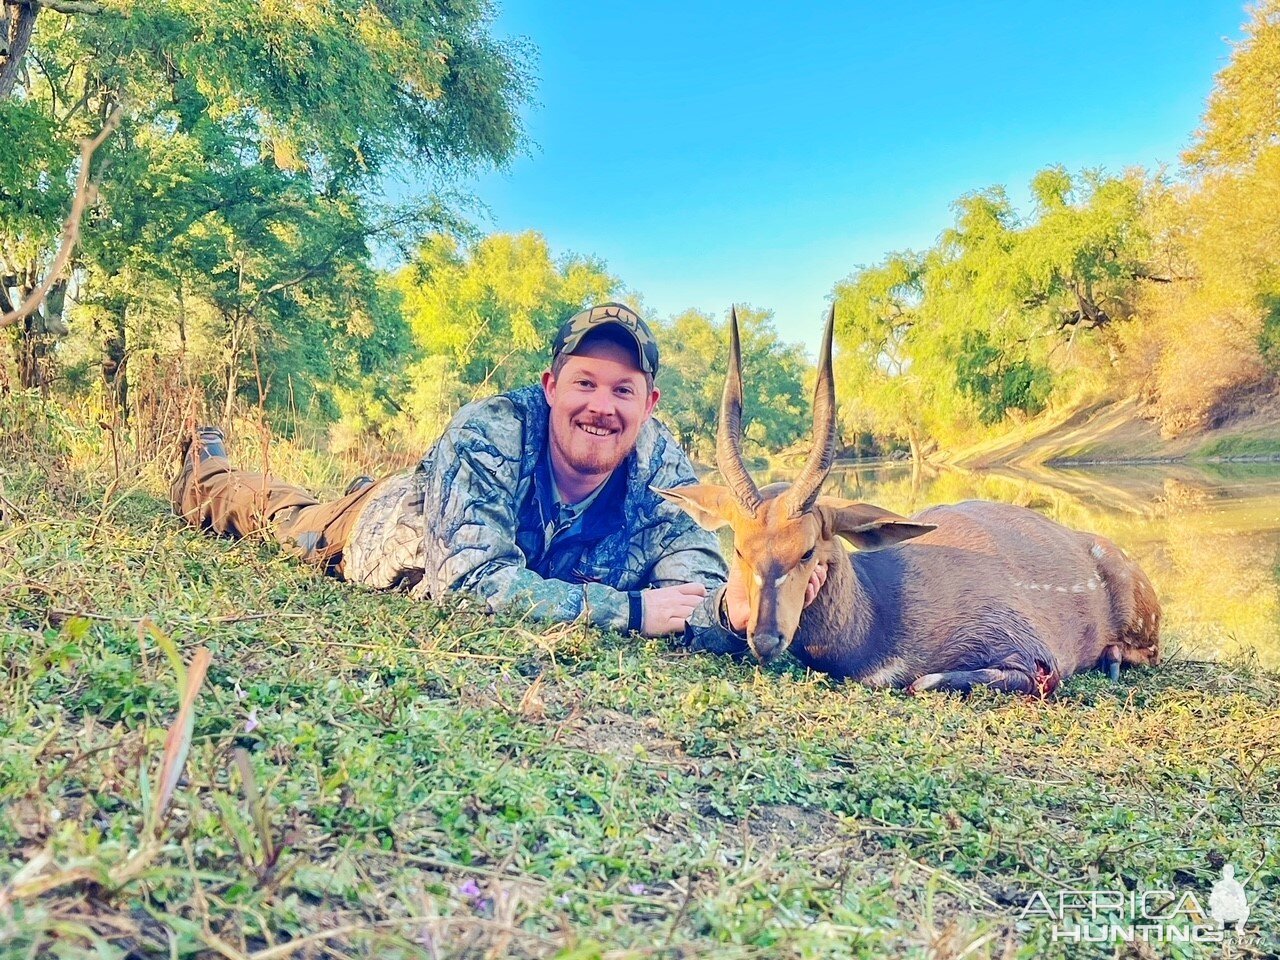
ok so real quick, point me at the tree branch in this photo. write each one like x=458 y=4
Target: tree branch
x=86 y=192
x=69 y=7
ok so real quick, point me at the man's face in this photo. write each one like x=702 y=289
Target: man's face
x=598 y=405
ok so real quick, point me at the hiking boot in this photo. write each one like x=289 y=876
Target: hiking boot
x=358 y=484
x=208 y=442
x=197 y=446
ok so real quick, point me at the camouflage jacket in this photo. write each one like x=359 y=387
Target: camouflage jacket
x=469 y=519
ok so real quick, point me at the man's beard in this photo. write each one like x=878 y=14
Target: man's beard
x=588 y=456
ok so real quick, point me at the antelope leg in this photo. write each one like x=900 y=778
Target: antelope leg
x=1011 y=681
x=1111 y=661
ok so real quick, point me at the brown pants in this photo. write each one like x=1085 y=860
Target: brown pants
x=236 y=503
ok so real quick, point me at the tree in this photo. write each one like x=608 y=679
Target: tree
x=254 y=139
x=938 y=344
x=879 y=376
x=493 y=306
x=1242 y=120
x=483 y=315
x=1212 y=342
x=694 y=358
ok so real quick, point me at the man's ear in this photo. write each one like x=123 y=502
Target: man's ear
x=549 y=386
x=654 y=395
x=707 y=503
x=865 y=526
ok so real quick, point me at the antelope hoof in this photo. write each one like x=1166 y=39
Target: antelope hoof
x=927 y=682
x=1111 y=657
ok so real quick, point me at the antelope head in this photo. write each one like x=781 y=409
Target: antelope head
x=781 y=532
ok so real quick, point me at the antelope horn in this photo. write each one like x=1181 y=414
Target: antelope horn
x=805 y=490
x=729 y=434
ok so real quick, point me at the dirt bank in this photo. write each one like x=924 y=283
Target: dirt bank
x=1116 y=432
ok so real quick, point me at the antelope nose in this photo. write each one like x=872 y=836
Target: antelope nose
x=766 y=645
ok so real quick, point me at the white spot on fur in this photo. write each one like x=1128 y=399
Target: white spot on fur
x=781 y=580
x=1092 y=584
x=759 y=580
x=1077 y=588
x=1034 y=586
x=1062 y=589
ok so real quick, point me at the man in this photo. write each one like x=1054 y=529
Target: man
x=539 y=501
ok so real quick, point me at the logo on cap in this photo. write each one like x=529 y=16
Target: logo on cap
x=570 y=334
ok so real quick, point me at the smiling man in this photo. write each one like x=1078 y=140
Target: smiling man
x=540 y=501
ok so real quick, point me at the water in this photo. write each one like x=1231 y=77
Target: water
x=1208 y=536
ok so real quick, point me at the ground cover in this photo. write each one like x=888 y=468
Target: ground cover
x=373 y=776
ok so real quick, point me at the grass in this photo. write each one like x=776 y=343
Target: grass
x=1240 y=447
x=372 y=776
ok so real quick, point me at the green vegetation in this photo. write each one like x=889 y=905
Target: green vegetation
x=774 y=388
x=1237 y=447
x=1109 y=286
x=227 y=263
x=238 y=203
x=377 y=777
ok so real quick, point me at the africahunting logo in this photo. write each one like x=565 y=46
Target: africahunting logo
x=1151 y=916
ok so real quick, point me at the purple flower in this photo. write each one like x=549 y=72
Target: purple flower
x=252 y=724
x=637 y=889
x=469 y=890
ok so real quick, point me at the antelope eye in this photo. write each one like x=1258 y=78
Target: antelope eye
x=808 y=556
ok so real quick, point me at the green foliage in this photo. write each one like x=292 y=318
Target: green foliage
x=492 y=307
x=996 y=382
x=482 y=316
x=451 y=785
x=33 y=187
x=238 y=213
x=1243 y=117
x=695 y=356
x=966 y=332
x=1206 y=348
x=1112 y=285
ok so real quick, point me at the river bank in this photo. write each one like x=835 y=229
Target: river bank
x=1117 y=432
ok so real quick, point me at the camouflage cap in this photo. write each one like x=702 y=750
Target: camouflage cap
x=569 y=336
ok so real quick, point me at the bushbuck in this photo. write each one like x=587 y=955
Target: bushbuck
x=953 y=597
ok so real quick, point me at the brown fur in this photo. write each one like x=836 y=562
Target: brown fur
x=992 y=586
x=974 y=593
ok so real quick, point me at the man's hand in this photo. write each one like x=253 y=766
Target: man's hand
x=667 y=608
x=816 y=580
x=736 y=606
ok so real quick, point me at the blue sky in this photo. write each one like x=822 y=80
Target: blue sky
x=758 y=152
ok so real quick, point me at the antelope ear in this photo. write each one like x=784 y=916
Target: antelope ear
x=707 y=503
x=865 y=526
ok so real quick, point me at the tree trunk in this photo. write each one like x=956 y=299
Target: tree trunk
x=913 y=438
x=115 y=357
x=17 y=23
x=30 y=348
x=233 y=371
